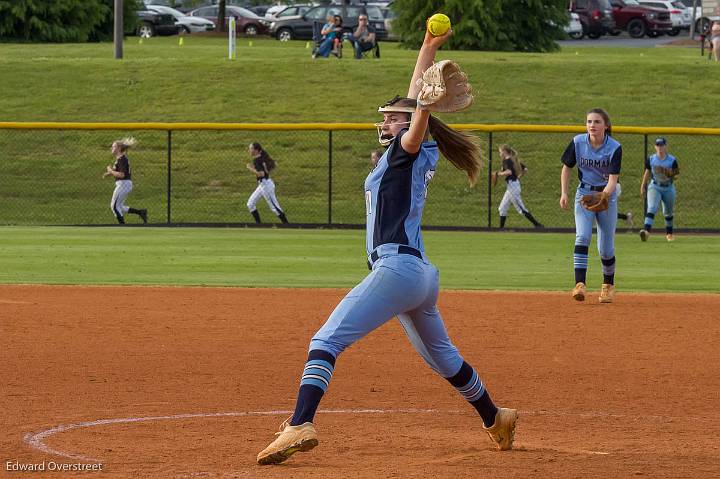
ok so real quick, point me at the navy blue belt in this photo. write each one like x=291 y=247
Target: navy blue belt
x=401 y=249
x=592 y=188
x=662 y=184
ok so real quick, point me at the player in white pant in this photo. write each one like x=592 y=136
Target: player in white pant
x=261 y=166
x=512 y=169
x=120 y=170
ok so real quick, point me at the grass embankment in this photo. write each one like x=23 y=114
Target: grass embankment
x=54 y=177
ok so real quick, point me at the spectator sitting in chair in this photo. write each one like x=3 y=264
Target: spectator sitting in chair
x=363 y=38
x=332 y=38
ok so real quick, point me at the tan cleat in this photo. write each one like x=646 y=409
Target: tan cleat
x=670 y=237
x=291 y=439
x=607 y=293
x=644 y=235
x=579 y=292
x=503 y=431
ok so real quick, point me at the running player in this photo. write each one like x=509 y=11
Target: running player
x=662 y=167
x=120 y=171
x=402 y=281
x=261 y=166
x=512 y=169
x=598 y=157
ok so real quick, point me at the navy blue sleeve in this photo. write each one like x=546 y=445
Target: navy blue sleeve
x=507 y=165
x=675 y=165
x=397 y=157
x=616 y=161
x=568 y=157
x=647 y=164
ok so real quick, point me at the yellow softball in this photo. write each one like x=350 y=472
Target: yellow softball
x=438 y=24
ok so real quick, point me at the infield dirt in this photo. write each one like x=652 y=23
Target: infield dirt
x=622 y=390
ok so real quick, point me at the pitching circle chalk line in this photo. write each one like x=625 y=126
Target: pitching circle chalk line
x=37 y=440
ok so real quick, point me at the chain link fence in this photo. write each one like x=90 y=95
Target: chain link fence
x=196 y=174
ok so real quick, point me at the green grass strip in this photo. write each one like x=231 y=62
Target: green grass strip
x=335 y=258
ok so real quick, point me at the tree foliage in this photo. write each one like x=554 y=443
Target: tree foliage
x=519 y=25
x=61 y=20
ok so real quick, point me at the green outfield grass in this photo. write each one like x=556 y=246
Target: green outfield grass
x=333 y=258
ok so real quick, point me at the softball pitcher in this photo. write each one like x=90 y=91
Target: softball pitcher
x=402 y=281
x=662 y=167
x=261 y=166
x=598 y=157
x=120 y=170
x=512 y=169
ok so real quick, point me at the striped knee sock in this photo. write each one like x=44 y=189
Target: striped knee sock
x=315 y=381
x=608 y=268
x=580 y=261
x=649 y=218
x=469 y=385
x=669 y=225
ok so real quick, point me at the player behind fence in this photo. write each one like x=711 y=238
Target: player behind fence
x=598 y=157
x=402 y=281
x=261 y=166
x=661 y=170
x=512 y=169
x=120 y=171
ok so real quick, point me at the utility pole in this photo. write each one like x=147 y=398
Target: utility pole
x=118 y=30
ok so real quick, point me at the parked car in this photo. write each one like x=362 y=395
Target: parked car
x=595 y=15
x=287 y=12
x=187 y=6
x=245 y=21
x=640 y=20
x=186 y=23
x=259 y=10
x=574 y=28
x=302 y=27
x=677 y=13
x=389 y=15
x=153 y=23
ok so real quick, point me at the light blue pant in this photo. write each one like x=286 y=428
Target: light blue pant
x=657 y=194
x=606 y=223
x=399 y=285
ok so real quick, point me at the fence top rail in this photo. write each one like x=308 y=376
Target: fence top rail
x=641 y=130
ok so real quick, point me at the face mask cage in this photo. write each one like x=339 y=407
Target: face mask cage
x=391 y=107
x=387 y=140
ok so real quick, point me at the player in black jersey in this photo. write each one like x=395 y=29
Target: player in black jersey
x=120 y=171
x=512 y=169
x=261 y=166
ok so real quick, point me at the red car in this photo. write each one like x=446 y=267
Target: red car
x=245 y=21
x=640 y=20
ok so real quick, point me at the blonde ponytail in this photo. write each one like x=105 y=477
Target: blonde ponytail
x=126 y=143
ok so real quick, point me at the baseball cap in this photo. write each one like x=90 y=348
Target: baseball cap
x=660 y=141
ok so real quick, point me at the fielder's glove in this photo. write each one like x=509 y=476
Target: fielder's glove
x=444 y=87
x=494 y=178
x=595 y=202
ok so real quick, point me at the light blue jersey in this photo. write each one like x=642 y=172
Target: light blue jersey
x=402 y=281
x=395 y=193
x=594 y=165
x=654 y=163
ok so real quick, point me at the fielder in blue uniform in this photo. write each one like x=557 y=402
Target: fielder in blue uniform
x=598 y=157
x=660 y=170
x=402 y=281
